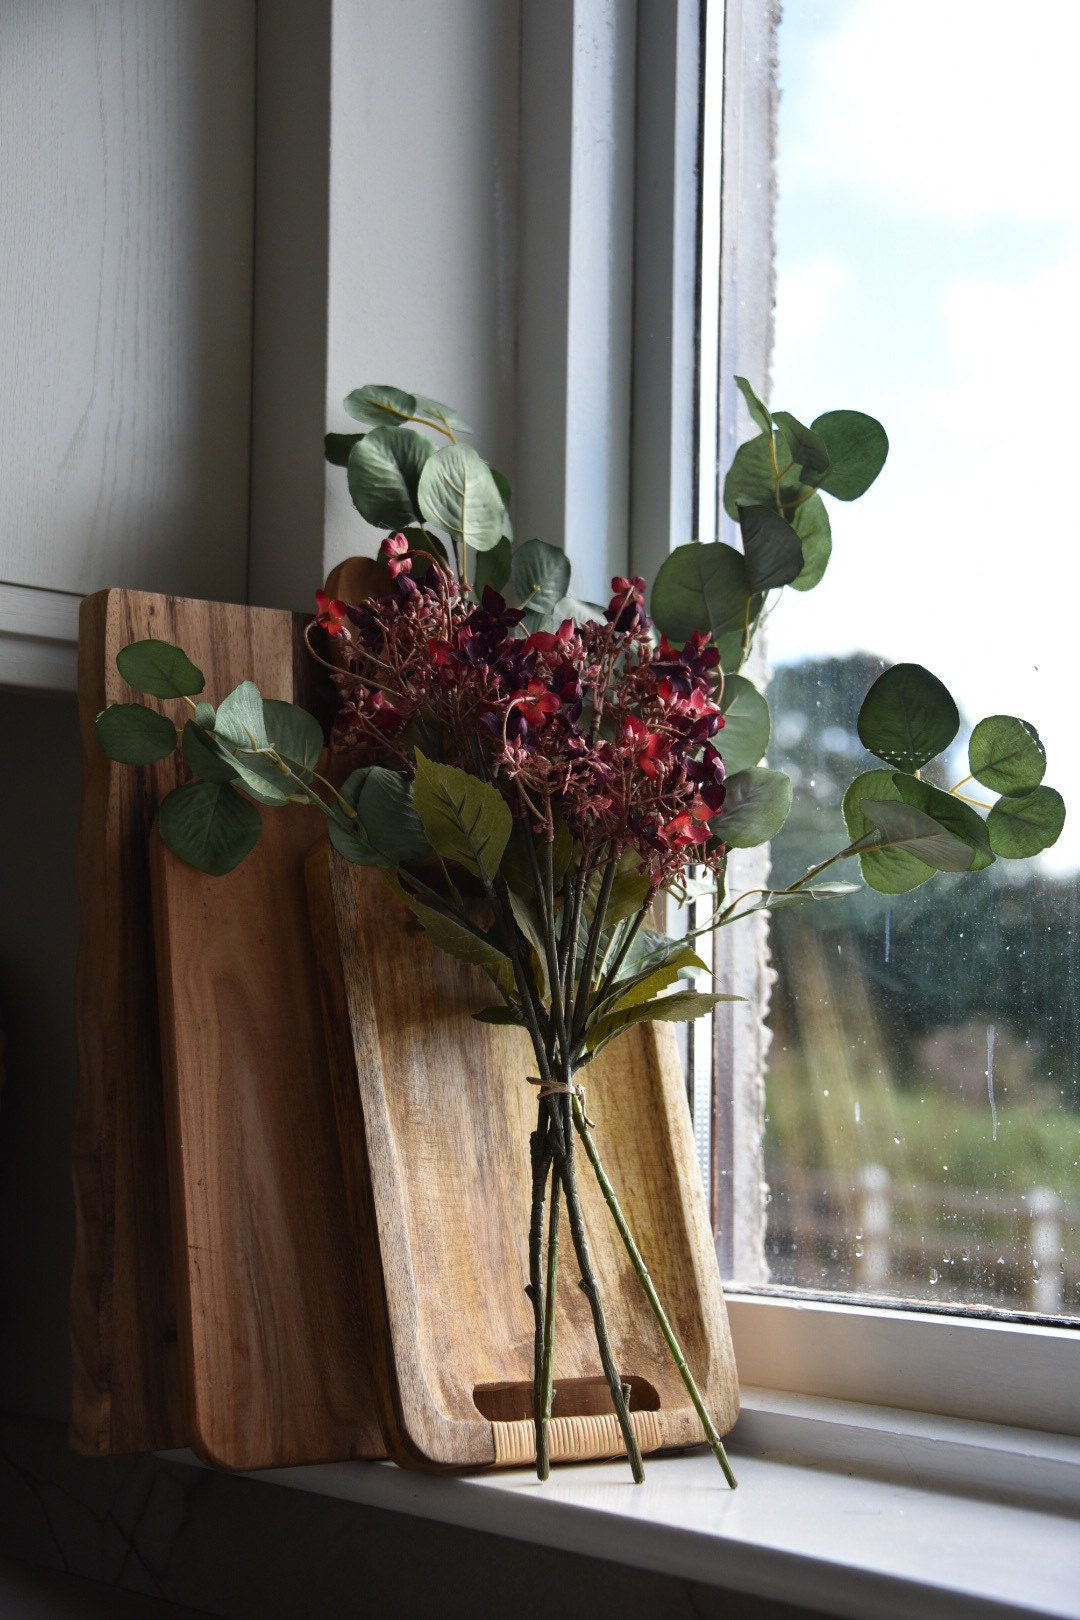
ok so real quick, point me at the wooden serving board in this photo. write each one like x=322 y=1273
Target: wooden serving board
x=434 y=1115
x=230 y=1322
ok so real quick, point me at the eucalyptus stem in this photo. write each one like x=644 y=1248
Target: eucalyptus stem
x=568 y=1176
x=541 y=1164
x=715 y=1443
x=546 y=1385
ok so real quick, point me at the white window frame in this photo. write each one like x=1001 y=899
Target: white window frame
x=636 y=202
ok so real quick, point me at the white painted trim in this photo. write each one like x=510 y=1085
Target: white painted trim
x=576 y=283
x=984 y=1369
x=39 y=631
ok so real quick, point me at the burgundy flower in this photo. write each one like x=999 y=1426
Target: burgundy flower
x=332 y=616
x=395 y=553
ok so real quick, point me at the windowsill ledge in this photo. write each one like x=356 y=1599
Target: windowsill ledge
x=850 y=1510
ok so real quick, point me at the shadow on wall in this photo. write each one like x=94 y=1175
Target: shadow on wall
x=39 y=809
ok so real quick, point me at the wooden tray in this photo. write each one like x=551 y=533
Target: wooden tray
x=434 y=1114
x=234 y=1326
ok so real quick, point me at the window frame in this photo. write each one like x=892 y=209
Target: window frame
x=687 y=284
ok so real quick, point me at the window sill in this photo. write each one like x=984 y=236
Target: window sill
x=850 y=1510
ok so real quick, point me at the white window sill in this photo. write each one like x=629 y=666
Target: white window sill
x=848 y=1510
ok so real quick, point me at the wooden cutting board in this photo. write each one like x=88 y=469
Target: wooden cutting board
x=434 y=1114
x=231 y=1323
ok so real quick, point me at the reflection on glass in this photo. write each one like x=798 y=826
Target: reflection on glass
x=923 y=1133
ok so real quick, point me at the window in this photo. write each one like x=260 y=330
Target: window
x=926 y=233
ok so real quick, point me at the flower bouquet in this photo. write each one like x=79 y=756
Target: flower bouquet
x=537 y=776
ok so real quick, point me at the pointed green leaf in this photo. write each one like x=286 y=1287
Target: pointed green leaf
x=902 y=826
x=759 y=411
x=385 y=468
x=159 y=670
x=498 y=1015
x=888 y=871
x=461 y=941
x=240 y=720
x=1024 y=825
x=679 y=1008
x=701 y=587
x=134 y=735
x=857 y=446
x=747 y=725
x=808 y=449
x=758 y=803
x=1006 y=754
x=645 y=986
x=204 y=756
x=466 y=820
x=434 y=411
x=209 y=826
x=949 y=812
x=502 y=484
x=774 y=554
x=530 y=926
x=908 y=716
x=205 y=716
x=338 y=447
x=457 y=492
x=540 y=575
x=379 y=406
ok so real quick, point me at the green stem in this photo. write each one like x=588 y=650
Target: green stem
x=541 y=1163
x=589 y=963
x=546 y=1384
x=715 y=1443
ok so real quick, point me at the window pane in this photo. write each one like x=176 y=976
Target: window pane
x=923 y=1101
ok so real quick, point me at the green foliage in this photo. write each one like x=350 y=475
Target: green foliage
x=204 y=757
x=466 y=820
x=459 y=939
x=379 y=406
x=338 y=447
x=758 y=803
x=908 y=717
x=902 y=826
x=747 y=724
x=808 y=449
x=387 y=830
x=134 y=735
x=889 y=870
x=857 y=447
x=385 y=469
x=540 y=575
x=1026 y=825
x=680 y=1007
x=457 y=492
x=493 y=567
x=759 y=411
x=159 y=670
x=773 y=551
x=208 y=825
x=295 y=736
x=810 y=520
x=1006 y=754
x=705 y=588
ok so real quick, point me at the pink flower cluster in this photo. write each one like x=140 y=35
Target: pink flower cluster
x=593 y=722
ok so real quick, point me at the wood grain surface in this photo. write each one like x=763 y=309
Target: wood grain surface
x=252 y=1280
x=435 y=1114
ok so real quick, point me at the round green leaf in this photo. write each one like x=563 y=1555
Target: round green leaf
x=241 y=720
x=384 y=473
x=773 y=550
x=1023 y=825
x=338 y=447
x=294 y=734
x=540 y=575
x=747 y=725
x=387 y=830
x=458 y=492
x=134 y=735
x=751 y=480
x=857 y=446
x=908 y=717
x=889 y=871
x=810 y=520
x=204 y=756
x=903 y=826
x=159 y=669
x=209 y=826
x=759 y=411
x=493 y=567
x=758 y=803
x=701 y=586
x=379 y=406
x=1006 y=754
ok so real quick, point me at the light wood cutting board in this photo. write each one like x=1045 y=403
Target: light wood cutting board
x=231 y=1324
x=435 y=1114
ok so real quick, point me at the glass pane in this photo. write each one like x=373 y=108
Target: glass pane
x=923 y=1100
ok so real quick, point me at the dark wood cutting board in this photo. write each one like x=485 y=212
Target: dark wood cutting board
x=435 y=1114
x=230 y=1322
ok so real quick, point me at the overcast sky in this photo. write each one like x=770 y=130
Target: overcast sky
x=929 y=273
